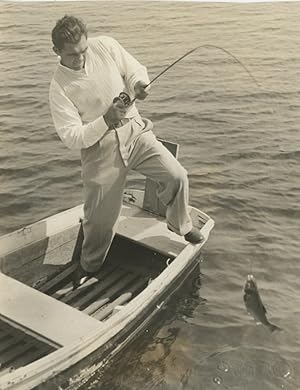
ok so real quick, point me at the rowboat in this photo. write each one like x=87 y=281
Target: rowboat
x=50 y=331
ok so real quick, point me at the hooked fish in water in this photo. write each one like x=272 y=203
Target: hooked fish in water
x=254 y=303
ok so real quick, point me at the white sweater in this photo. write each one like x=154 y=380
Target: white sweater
x=79 y=99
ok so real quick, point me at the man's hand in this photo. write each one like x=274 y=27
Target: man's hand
x=141 y=92
x=115 y=114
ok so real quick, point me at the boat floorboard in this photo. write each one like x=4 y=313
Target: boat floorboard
x=128 y=269
x=115 y=285
x=126 y=272
x=98 y=298
x=18 y=348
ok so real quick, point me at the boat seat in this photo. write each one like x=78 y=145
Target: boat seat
x=41 y=316
x=150 y=230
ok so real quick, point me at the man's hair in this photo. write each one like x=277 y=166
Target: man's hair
x=68 y=29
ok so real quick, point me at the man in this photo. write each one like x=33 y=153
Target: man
x=111 y=137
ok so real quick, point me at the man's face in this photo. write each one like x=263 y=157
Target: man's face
x=73 y=54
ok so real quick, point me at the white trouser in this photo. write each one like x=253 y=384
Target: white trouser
x=104 y=177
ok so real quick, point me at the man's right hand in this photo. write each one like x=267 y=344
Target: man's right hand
x=115 y=114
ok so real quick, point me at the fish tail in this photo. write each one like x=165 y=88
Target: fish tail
x=273 y=327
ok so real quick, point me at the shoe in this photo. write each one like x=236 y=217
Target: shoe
x=80 y=276
x=194 y=236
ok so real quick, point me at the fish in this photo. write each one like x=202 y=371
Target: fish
x=254 y=304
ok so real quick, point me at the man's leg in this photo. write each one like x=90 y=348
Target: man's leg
x=152 y=159
x=101 y=210
x=104 y=176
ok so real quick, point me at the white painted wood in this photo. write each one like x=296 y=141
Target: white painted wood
x=82 y=345
x=117 y=309
x=41 y=315
x=26 y=378
x=150 y=230
x=39 y=230
x=69 y=218
x=134 y=223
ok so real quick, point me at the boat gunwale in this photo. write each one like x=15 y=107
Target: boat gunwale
x=127 y=335
x=40 y=230
x=62 y=359
x=58 y=361
x=55 y=224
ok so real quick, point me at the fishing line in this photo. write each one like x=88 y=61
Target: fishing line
x=125 y=98
x=126 y=101
x=251 y=267
x=199 y=47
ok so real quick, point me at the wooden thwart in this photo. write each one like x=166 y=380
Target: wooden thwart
x=56 y=323
x=149 y=230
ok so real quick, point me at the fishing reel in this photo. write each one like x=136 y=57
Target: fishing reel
x=124 y=98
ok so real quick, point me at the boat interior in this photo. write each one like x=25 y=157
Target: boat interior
x=128 y=269
x=39 y=309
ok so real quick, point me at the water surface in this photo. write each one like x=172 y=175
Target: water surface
x=241 y=146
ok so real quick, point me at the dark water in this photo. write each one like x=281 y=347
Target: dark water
x=241 y=146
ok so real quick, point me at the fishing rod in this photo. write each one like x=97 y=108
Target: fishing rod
x=125 y=98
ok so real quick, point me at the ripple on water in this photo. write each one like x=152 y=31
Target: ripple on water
x=240 y=368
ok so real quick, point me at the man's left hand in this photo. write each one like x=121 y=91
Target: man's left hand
x=141 y=90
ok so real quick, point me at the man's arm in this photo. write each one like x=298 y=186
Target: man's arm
x=129 y=68
x=68 y=123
